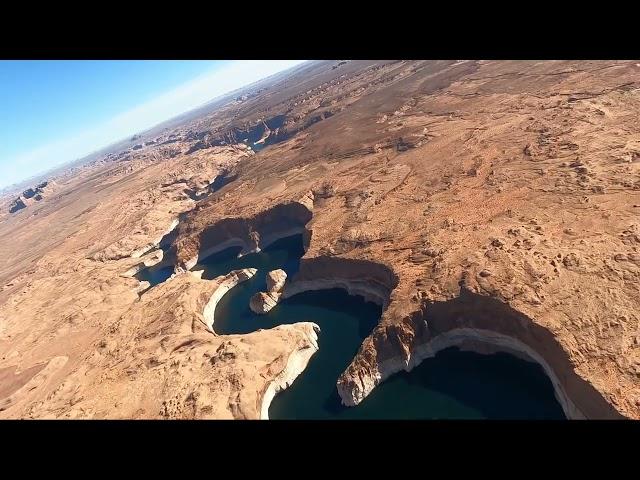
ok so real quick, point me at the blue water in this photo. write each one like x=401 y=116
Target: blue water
x=454 y=384
x=159 y=273
x=156 y=274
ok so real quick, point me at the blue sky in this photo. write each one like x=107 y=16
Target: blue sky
x=53 y=112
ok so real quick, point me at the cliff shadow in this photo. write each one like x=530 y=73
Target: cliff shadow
x=477 y=316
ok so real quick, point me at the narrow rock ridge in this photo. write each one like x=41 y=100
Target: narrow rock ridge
x=477 y=323
x=230 y=280
x=142 y=287
x=296 y=363
x=154 y=258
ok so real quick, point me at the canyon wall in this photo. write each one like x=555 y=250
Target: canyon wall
x=472 y=322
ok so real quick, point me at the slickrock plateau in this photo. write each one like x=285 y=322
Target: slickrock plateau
x=490 y=205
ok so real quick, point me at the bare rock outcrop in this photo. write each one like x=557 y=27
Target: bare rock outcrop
x=275 y=280
x=263 y=302
x=17 y=204
x=30 y=196
x=507 y=218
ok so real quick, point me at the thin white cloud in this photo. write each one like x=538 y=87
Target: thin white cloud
x=185 y=97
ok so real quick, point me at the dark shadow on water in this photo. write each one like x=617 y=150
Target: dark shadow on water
x=220 y=181
x=155 y=275
x=332 y=405
x=454 y=384
x=162 y=271
x=465 y=385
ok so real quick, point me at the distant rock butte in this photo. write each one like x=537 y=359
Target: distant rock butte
x=30 y=196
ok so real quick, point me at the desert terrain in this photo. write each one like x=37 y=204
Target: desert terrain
x=490 y=205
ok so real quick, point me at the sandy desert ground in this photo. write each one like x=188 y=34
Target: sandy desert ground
x=493 y=205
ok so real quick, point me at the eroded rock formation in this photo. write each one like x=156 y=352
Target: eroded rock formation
x=30 y=196
x=480 y=324
x=485 y=204
x=159 y=359
x=263 y=302
x=252 y=234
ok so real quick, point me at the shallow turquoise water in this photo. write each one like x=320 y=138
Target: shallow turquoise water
x=454 y=384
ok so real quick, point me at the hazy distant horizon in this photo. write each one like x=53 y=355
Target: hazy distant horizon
x=59 y=112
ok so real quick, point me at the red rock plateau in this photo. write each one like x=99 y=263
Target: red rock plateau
x=492 y=205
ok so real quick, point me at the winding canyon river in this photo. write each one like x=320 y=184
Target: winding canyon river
x=453 y=384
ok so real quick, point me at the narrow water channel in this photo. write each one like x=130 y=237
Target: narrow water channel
x=162 y=271
x=454 y=384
